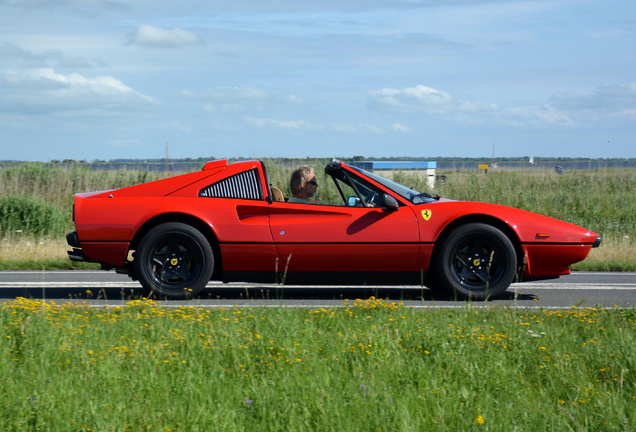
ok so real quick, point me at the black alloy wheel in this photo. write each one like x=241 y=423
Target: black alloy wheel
x=174 y=260
x=476 y=261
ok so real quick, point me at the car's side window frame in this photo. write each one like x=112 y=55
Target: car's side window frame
x=356 y=184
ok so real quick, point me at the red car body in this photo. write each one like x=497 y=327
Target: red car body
x=223 y=222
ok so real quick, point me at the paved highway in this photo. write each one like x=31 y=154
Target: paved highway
x=99 y=288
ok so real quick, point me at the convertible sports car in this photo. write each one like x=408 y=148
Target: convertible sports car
x=226 y=222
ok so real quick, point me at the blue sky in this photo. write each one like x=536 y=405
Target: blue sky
x=107 y=79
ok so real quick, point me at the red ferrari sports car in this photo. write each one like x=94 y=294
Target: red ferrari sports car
x=225 y=223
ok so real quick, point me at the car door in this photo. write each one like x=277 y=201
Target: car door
x=339 y=238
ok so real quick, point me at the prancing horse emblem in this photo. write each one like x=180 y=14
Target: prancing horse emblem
x=426 y=214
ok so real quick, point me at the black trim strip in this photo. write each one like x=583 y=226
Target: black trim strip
x=556 y=244
x=356 y=279
x=325 y=243
x=106 y=241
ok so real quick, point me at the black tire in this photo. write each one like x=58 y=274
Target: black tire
x=174 y=260
x=476 y=261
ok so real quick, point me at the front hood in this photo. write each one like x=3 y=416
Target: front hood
x=529 y=227
x=536 y=228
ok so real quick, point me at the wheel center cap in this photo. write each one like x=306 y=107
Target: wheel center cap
x=476 y=262
x=174 y=261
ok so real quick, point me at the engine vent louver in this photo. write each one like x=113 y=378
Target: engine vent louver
x=245 y=185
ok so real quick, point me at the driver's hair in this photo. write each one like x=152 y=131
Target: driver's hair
x=300 y=177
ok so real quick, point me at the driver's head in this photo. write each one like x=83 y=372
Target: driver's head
x=303 y=181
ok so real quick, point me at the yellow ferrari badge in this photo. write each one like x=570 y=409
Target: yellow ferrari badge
x=426 y=214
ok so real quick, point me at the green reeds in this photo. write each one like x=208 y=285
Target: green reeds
x=369 y=365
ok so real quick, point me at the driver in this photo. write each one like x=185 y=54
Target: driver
x=303 y=185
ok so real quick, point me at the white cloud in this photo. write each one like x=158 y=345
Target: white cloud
x=344 y=128
x=395 y=100
x=236 y=95
x=423 y=99
x=45 y=91
x=14 y=54
x=365 y=127
x=301 y=124
x=294 y=100
x=156 y=37
x=81 y=7
x=231 y=99
x=240 y=99
x=562 y=108
x=609 y=98
x=400 y=128
x=354 y=128
x=534 y=116
x=569 y=109
x=283 y=124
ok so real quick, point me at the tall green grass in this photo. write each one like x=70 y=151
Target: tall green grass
x=36 y=200
x=30 y=215
x=602 y=200
x=370 y=366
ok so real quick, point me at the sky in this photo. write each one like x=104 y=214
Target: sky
x=111 y=79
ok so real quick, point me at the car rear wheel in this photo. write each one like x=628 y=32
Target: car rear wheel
x=476 y=261
x=174 y=260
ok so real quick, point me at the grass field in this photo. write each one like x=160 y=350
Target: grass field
x=369 y=366
x=36 y=202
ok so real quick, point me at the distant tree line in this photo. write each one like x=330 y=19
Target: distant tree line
x=443 y=163
x=285 y=160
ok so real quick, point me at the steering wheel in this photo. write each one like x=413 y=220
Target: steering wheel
x=371 y=199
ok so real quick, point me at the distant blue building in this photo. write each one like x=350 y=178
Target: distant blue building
x=387 y=169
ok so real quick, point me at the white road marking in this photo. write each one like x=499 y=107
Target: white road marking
x=533 y=286
x=80 y=284
x=570 y=286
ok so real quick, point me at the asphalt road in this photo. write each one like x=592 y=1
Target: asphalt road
x=99 y=288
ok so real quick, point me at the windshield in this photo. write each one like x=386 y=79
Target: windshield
x=410 y=194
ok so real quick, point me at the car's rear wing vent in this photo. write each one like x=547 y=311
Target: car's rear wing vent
x=245 y=185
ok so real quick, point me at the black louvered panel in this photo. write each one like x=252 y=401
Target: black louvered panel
x=245 y=185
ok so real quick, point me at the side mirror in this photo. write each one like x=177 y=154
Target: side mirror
x=353 y=201
x=389 y=203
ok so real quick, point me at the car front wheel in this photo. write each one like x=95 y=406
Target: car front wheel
x=174 y=260
x=476 y=261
